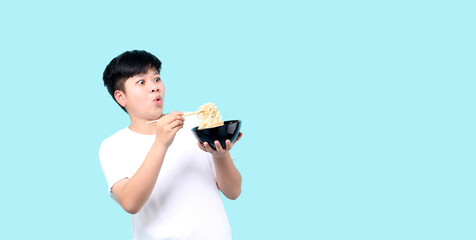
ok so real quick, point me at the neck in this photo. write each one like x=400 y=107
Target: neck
x=140 y=126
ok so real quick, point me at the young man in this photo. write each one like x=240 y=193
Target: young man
x=159 y=174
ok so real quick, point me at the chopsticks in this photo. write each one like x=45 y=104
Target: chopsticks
x=184 y=115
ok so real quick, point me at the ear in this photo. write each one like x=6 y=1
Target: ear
x=120 y=97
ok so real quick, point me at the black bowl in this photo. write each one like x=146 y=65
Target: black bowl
x=229 y=130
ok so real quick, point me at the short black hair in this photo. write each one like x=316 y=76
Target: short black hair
x=126 y=65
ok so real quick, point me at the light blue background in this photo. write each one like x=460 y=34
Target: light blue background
x=358 y=116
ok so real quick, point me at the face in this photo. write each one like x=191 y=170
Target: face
x=143 y=96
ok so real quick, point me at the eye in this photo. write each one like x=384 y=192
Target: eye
x=141 y=82
x=156 y=79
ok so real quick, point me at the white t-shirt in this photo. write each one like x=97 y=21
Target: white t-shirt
x=185 y=202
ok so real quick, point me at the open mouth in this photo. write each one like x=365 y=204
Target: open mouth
x=158 y=100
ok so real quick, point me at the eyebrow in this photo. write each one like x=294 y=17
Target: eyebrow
x=143 y=74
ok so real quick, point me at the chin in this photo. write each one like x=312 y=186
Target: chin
x=157 y=115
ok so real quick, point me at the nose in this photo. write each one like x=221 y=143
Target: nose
x=154 y=88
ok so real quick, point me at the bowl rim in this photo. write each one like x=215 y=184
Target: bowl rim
x=224 y=122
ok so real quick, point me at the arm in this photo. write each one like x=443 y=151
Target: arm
x=134 y=192
x=228 y=177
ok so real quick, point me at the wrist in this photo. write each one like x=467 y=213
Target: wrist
x=221 y=157
x=158 y=144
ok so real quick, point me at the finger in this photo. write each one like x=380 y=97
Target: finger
x=228 y=145
x=218 y=146
x=177 y=128
x=208 y=147
x=176 y=124
x=176 y=113
x=173 y=116
x=200 y=145
x=180 y=118
x=238 y=138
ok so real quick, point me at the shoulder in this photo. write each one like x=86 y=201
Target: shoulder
x=114 y=139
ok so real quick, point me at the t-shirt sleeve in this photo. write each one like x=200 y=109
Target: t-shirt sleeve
x=113 y=164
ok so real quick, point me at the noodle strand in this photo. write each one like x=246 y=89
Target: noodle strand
x=209 y=116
